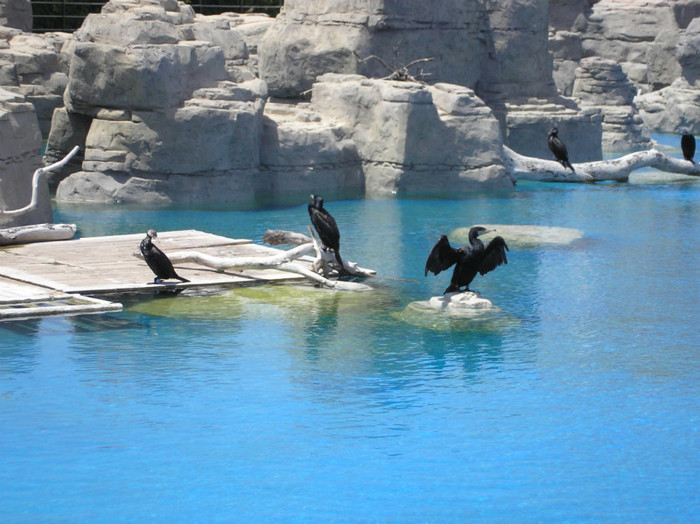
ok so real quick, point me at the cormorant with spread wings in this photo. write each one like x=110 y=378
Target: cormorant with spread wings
x=468 y=260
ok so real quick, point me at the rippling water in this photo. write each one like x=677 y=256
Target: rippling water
x=577 y=400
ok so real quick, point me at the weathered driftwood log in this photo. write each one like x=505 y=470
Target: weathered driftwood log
x=36 y=233
x=284 y=261
x=36 y=179
x=618 y=169
x=325 y=262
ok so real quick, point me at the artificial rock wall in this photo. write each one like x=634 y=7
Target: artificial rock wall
x=20 y=148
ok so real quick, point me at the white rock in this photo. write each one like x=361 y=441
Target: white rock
x=522 y=236
x=462 y=302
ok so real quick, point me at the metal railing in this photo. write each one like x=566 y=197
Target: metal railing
x=67 y=16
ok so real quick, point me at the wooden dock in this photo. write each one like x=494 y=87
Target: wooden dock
x=70 y=276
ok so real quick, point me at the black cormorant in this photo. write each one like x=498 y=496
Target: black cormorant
x=470 y=260
x=325 y=226
x=157 y=260
x=688 y=146
x=558 y=148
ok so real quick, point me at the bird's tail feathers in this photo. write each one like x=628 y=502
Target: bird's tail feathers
x=340 y=260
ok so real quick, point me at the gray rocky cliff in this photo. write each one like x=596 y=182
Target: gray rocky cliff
x=169 y=106
x=676 y=108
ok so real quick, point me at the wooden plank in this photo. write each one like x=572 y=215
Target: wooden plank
x=13 y=291
x=57 y=305
x=99 y=265
x=19 y=300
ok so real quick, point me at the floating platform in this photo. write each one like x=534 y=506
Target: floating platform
x=72 y=276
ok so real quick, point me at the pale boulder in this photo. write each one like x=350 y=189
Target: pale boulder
x=676 y=108
x=413 y=138
x=302 y=152
x=626 y=31
x=673 y=109
x=181 y=154
x=140 y=77
x=461 y=303
x=313 y=37
x=35 y=67
x=602 y=84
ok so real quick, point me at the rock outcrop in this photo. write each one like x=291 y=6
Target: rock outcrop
x=602 y=84
x=35 y=67
x=304 y=151
x=167 y=105
x=527 y=126
x=20 y=156
x=498 y=48
x=646 y=39
x=312 y=37
x=676 y=108
x=517 y=66
x=151 y=93
x=413 y=138
x=640 y=35
x=251 y=27
x=16 y=14
x=168 y=109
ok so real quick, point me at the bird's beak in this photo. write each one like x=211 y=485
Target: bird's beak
x=486 y=231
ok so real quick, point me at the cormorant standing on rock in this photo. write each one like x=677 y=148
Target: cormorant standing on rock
x=325 y=226
x=470 y=260
x=558 y=148
x=157 y=260
x=688 y=146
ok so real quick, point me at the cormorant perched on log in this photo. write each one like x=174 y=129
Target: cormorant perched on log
x=558 y=148
x=157 y=260
x=470 y=260
x=688 y=146
x=325 y=226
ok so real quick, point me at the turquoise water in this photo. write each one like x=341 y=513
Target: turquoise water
x=578 y=401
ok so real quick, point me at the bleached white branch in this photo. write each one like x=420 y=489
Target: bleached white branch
x=284 y=261
x=325 y=261
x=36 y=179
x=522 y=167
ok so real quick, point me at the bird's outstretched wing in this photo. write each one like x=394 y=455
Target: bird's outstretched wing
x=441 y=257
x=495 y=255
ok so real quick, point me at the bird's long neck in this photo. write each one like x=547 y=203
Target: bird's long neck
x=474 y=241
